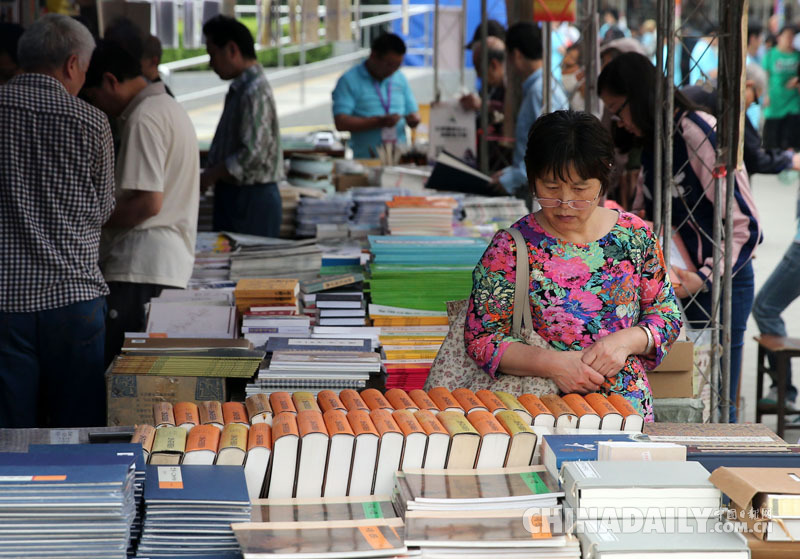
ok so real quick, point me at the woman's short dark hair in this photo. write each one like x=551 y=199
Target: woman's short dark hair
x=565 y=140
x=632 y=75
x=221 y=30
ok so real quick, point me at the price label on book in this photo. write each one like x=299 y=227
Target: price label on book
x=534 y=482
x=374 y=537
x=169 y=477
x=372 y=510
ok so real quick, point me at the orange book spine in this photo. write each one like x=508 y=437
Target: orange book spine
x=235 y=412
x=375 y=400
x=144 y=435
x=284 y=424
x=305 y=401
x=400 y=400
x=623 y=406
x=485 y=422
x=600 y=404
x=407 y=423
x=163 y=415
x=234 y=435
x=336 y=422
x=533 y=404
x=328 y=400
x=310 y=421
x=423 y=401
x=260 y=435
x=383 y=422
x=186 y=412
x=578 y=405
x=361 y=423
x=429 y=423
x=491 y=401
x=556 y=405
x=352 y=401
x=210 y=412
x=443 y=399
x=467 y=399
x=203 y=437
x=281 y=402
x=258 y=408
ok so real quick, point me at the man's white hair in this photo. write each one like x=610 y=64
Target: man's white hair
x=51 y=40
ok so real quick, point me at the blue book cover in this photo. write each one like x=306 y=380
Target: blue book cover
x=318 y=344
x=122 y=452
x=558 y=449
x=196 y=485
x=49 y=470
x=760 y=458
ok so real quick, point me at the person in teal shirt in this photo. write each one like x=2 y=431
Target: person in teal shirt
x=782 y=104
x=373 y=101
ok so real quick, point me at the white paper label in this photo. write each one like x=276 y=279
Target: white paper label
x=389 y=134
x=169 y=477
x=64 y=436
x=586 y=469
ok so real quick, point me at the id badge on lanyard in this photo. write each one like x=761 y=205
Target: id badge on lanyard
x=388 y=133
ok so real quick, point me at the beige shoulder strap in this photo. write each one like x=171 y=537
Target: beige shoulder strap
x=522 y=313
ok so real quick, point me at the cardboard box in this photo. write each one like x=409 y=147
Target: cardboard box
x=750 y=489
x=131 y=397
x=760 y=549
x=345 y=182
x=674 y=377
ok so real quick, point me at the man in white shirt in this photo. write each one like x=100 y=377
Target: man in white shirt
x=148 y=242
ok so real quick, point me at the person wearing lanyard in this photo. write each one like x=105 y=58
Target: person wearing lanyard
x=373 y=101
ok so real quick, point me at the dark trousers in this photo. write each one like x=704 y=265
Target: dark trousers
x=126 y=312
x=742 y=294
x=51 y=367
x=254 y=209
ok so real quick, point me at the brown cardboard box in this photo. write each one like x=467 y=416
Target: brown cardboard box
x=131 y=397
x=749 y=489
x=674 y=377
x=760 y=549
x=345 y=182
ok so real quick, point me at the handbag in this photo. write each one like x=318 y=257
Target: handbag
x=454 y=368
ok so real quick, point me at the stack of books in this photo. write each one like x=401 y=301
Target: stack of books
x=410 y=339
x=192 y=314
x=332 y=210
x=349 y=370
x=189 y=511
x=340 y=308
x=487 y=513
x=422 y=273
x=257 y=257
x=179 y=357
x=421 y=215
x=122 y=453
x=484 y=216
x=212 y=261
x=52 y=504
x=341 y=256
x=290 y=199
x=370 y=209
x=270 y=307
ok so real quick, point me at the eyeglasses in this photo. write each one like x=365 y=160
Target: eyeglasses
x=617 y=113
x=574 y=204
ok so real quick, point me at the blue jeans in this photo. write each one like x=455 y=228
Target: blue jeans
x=781 y=288
x=697 y=312
x=254 y=209
x=51 y=366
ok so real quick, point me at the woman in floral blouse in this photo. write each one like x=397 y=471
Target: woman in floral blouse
x=599 y=293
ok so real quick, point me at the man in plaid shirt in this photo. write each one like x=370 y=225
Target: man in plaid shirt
x=56 y=191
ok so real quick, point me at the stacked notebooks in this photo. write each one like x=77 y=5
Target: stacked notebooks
x=189 y=511
x=486 y=513
x=421 y=215
x=256 y=257
x=53 y=504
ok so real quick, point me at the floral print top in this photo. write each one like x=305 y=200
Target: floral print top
x=579 y=293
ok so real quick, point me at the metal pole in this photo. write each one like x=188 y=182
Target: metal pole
x=669 y=125
x=436 y=92
x=484 y=144
x=304 y=41
x=662 y=32
x=589 y=42
x=461 y=41
x=547 y=70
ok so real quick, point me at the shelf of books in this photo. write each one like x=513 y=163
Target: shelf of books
x=278 y=408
